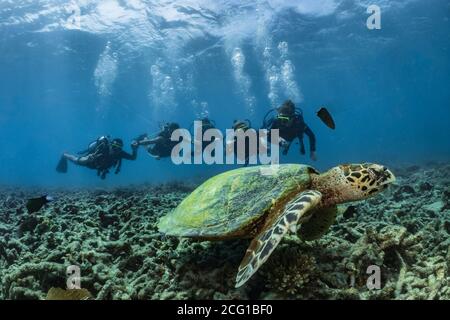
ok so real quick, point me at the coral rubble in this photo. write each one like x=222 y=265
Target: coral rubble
x=112 y=236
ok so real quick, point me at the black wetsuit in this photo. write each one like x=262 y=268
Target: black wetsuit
x=206 y=125
x=161 y=146
x=115 y=160
x=247 y=148
x=102 y=160
x=296 y=128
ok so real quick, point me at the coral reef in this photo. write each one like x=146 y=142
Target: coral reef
x=112 y=236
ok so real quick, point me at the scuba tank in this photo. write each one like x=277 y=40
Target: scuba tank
x=265 y=123
x=95 y=146
x=206 y=123
x=168 y=128
x=240 y=124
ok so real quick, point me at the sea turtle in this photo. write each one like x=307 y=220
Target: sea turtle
x=250 y=203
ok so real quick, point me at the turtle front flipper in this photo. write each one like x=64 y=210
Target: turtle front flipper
x=270 y=236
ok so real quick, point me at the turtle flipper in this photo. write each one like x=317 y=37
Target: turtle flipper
x=319 y=223
x=266 y=241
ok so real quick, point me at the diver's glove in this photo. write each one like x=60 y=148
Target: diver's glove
x=134 y=144
x=140 y=138
x=284 y=145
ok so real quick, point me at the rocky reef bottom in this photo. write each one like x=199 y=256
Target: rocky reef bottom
x=112 y=236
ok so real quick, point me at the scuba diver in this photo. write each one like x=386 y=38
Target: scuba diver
x=101 y=155
x=232 y=144
x=290 y=123
x=206 y=125
x=160 y=146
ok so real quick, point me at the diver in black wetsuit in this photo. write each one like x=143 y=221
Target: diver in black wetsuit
x=232 y=144
x=101 y=155
x=161 y=146
x=291 y=125
x=206 y=125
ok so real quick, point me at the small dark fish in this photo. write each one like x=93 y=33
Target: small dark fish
x=326 y=118
x=35 y=204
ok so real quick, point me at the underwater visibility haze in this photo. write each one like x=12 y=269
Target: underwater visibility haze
x=74 y=71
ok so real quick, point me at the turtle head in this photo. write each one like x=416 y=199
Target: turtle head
x=353 y=182
x=364 y=180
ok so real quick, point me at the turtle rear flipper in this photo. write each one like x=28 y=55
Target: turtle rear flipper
x=319 y=223
x=267 y=240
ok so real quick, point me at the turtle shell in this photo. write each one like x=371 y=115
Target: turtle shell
x=229 y=204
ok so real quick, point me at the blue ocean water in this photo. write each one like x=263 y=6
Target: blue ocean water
x=71 y=71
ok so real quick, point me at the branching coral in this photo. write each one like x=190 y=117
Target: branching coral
x=289 y=271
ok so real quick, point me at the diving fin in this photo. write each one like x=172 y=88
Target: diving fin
x=62 y=165
x=326 y=118
x=35 y=204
